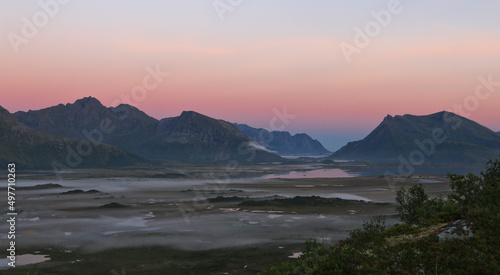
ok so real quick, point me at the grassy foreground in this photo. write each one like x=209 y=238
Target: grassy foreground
x=413 y=247
x=158 y=260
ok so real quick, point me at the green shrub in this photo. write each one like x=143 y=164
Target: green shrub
x=465 y=190
x=490 y=187
x=413 y=204
x=472 y=192
x=375 y=225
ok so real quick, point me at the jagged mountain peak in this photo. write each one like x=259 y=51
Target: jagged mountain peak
x=30 y=148
x=4 y=111
x=190 y=113
x=86 y=102
x=193 y=116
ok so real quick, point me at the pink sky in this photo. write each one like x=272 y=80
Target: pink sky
x=240 y=70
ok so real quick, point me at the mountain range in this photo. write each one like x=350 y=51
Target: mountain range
x=124 y=135
x=30 y=148
x=442 y=137
x=190 y=137
x=283 y=143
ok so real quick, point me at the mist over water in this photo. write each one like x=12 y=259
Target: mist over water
x=52 y=218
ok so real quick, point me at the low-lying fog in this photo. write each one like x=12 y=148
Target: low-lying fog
x=175 y=212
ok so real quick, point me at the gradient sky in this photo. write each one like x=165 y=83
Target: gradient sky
x=263 y=55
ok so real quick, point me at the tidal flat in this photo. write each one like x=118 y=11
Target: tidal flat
x=201 y=220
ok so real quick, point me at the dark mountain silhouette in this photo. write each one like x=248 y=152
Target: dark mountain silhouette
x=190 y=137
x=29 y=148
x=87 y=119
x=195 y=137
x=283 y=143
x=441 y=137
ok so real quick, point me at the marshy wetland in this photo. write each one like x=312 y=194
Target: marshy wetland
x=200 y=220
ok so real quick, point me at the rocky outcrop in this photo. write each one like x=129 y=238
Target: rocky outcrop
x=459 y=229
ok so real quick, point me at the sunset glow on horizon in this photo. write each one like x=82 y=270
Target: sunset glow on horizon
x=262 y=57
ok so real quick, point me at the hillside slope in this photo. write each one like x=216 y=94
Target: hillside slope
x=191 y=137
x=29 y=148
x=454 y=139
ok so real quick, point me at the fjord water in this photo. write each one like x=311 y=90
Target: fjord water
x=319 y=173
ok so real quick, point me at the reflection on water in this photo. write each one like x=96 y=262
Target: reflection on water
x=24 y=259
x=31 y=259
x=320 y=173
x=436 y=171
x=295 y=255
x=317 y=156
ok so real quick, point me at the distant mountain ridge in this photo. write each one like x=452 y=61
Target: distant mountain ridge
x=190 y=137
x=442 y=137
x=283 y=143
x=30 y=148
